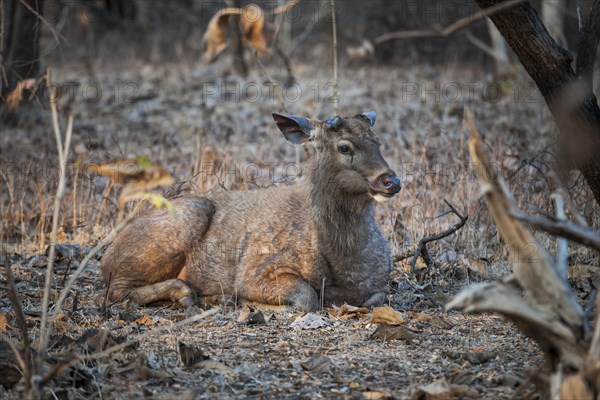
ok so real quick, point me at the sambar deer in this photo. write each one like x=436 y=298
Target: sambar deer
x=297 y=245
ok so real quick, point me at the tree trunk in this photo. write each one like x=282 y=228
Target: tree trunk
x=571 y=101
x=19 y=38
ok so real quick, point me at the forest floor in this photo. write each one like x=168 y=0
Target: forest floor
x=183 y=117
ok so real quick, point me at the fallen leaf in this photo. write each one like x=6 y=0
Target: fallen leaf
x=507 y=380
x=437 y=390
x=15 y=97
x=251 y=316
x=393 y=332
x=346 y=312
x=215 y=37
x=376 y=395
x=144 y=320
x=310 y=321
x=386 y=315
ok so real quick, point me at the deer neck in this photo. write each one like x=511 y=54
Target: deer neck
x=341 y=219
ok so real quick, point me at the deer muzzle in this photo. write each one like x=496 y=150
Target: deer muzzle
x=386 y=186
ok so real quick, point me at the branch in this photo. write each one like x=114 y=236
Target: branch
x=421 y=247
x=566 y=229
x=63 y=155
x=450 y=29
x=533 y=266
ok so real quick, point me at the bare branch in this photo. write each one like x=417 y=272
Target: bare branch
x=566 y=229
x=533 y=267
x=450 y=29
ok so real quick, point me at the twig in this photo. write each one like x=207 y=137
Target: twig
x=422 y=249
x=562 y=254
x=56 y=34
x=335 y=58
x=63 y=154
x=566 y=229
x=271 y=81
x=450 y=29
x=77 y=358
x=18 y=309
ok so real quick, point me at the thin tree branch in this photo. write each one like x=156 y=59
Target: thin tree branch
x=56 y=34
x=450 y=29
x=562 y=254
x=566 y=229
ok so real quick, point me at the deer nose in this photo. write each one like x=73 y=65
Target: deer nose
x=391 y=182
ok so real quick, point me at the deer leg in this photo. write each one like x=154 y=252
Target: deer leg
x=284 y=289
x=174 y=290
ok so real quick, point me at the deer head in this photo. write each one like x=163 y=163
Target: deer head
x=348 y=154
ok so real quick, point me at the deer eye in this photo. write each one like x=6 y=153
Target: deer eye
x=344 y=148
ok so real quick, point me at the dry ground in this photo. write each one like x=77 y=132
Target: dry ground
x=185 y=117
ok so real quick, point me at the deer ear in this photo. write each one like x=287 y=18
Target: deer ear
x=296 y=130
x=371 y=116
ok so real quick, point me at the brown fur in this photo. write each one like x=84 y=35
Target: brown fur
x=278 y=246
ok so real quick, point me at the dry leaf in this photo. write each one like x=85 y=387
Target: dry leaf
x=215 y=37
x=16 y=96
x=257 y=32
x=386 y=315
x=393 y=332
x=376 y=395
x=346 y=312
x=251 y=316
x=575 y=387
x=438 y=390
x=310 y=321
x=144 y=320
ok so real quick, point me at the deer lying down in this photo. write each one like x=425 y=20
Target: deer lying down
x=316 y=240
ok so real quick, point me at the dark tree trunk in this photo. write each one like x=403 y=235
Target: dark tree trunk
x=19 y=43
x=568 y=95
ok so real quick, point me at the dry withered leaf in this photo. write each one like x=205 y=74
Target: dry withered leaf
x=144 y=320
x=474 y=357
x=393 y=332
x=215 y=37
x=346 y=312
x=386 y=315
x=376 y=395
x=318 y=364
x=16 y=96
x=191 y=355
x=508 y=380
x=258 y=33
x=310 y=321
x=4 y=320
x=437 y=390
x=251 y=316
